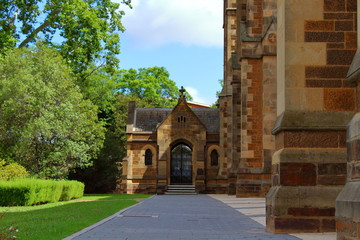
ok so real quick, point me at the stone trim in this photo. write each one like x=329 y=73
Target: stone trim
x=318 y=120
x=244 y=33
x=353 y=74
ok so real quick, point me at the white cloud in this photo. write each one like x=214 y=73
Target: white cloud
x=195 y=95
x=190 y=22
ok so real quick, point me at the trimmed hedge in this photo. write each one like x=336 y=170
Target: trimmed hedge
x=26 y=192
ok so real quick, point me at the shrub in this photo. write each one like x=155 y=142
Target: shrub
x=26 y=192
x=11 y=171
x=72 y=190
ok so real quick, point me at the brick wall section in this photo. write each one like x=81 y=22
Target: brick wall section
x=309 y=174
x=236 y=122
x=226 y=170
x=243 y=7
x=255 y=18
x=252 y=118
x=338 y=31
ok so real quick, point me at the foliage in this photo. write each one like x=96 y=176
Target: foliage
x=71 y=190
x=102 y=176
x=55 y=221
x=11 y=171
x=150 y=84
x=101 y=88
x=84 y=30
x=221 y=82
x=121 y=115
x=45 y=124
x=26 y=192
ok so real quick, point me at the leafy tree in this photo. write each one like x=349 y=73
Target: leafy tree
x=221 y=82
x=100 y=87
x=121 y=115
x=102 y=176
x=45 y=124
x=150 y=84
x=84 y=31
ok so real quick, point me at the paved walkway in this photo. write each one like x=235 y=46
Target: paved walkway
x=189 y=217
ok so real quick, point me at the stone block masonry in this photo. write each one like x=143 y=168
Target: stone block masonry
x=315 y=102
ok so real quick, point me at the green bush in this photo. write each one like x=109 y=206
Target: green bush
x=26 y=192
x=72 y=190
x=11 y=171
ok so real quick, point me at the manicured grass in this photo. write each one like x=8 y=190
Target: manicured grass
x=113 y=196
x=58 y=220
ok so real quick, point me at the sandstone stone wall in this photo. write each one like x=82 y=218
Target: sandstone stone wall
x=248 y=99
x=314 y=104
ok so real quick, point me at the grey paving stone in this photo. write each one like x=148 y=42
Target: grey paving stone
x=181 y=217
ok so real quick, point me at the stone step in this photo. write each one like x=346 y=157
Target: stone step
x=181 y=190
x=181 y=186
x=180 y=193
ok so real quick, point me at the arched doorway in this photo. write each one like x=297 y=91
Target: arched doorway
x=181 y=164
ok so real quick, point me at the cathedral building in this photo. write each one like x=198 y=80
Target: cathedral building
x=287 y=126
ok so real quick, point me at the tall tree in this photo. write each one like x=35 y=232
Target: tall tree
x=45 y=124
x=150 y=84
x=102 y=176
x=84 y=31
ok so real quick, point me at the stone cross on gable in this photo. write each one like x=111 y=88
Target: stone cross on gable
x=182 y=90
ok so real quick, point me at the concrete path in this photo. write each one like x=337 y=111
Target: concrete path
x=188 y=217
x=254 y=208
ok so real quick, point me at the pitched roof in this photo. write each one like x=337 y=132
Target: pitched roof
x=148 y=119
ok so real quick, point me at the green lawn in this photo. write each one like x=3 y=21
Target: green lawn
x=59 y=220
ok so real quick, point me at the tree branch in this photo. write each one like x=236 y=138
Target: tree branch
x=12 y=21
x=34 y=33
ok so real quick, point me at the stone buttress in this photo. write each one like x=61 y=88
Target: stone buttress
x=316 y=42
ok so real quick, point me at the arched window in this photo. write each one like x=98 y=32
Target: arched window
x=214 y=156
x=148 y=157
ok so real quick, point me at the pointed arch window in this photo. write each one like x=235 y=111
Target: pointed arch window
x=148 y=157
x=214 y=157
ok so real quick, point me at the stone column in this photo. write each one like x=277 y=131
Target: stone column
x=255 y=96
x=314 y=104
x=226 y=170
x=348 y=201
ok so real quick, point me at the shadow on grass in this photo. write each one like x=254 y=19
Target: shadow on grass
x=61 y=220
x=114 y=196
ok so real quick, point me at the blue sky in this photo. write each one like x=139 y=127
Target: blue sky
x=184 y=36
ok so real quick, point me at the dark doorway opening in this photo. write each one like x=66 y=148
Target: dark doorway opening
x=181 y=164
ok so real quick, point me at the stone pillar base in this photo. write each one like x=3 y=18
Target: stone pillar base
x=217 y=186
x=301 y=209
x=161 y=188
x=200 y=186
x=253 y=185
x=348 y=212
x=142 y=187
x=231 y=189
x=121 y=188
